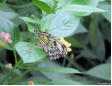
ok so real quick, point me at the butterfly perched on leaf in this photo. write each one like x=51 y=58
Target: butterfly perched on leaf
x=53 y=47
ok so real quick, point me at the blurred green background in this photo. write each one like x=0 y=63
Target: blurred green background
x=86 y=24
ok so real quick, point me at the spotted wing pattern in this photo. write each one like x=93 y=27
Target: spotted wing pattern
x=53 y=47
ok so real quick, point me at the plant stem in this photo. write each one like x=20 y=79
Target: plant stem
x=15 y=57
x=70 y=61
x=25 y=67
x=7 y=75
x=18 y=78
x=64 y=61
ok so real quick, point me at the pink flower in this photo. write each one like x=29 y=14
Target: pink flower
x=6 y=36
x=9 y=41
x=39 y=45
x=2 y=34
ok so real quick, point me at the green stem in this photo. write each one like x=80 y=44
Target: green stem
x=18 y=78
x=25 y=67
x=15 y=56
x=19 y=65
x=64 y=61
x=7 y=75
x=70 y=62
x=28 y=69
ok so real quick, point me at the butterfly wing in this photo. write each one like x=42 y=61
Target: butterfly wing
x=56 y=50
x=52 y=46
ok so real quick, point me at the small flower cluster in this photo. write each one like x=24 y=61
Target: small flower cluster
x=30 y=83
x=68 y=45
x=5 y=39
x=47 y=29
x=9 y=65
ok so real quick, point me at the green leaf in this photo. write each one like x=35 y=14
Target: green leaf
x=8 y=15
x=84 y=2
x=29 y=52
x=43 y=6
x=109 y=59
x=81 y=29
x=15 y=36
x=87 y=53
x=80 y=2
x=74 y=42
x=57 y=70
x=17 y=71
x=60 y=24
x=38 y=76
x=82 y=8
x=97 y=52
x=106 y=32
x=2 y=5
x=54 y=75
x=28 y=19
x=6 y=25
x=50 y=3
x=3 y=54
x=107 y=7
x=65 y=82
x=102 y=71
x=2 y=77
x=93 y=31
x=30 y=28
x=87 y=2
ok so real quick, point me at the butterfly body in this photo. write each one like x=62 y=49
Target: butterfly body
x=52 y=46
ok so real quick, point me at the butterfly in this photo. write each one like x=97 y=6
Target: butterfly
x=53 y=47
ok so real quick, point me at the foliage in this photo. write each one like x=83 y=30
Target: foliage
x=83 y=23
